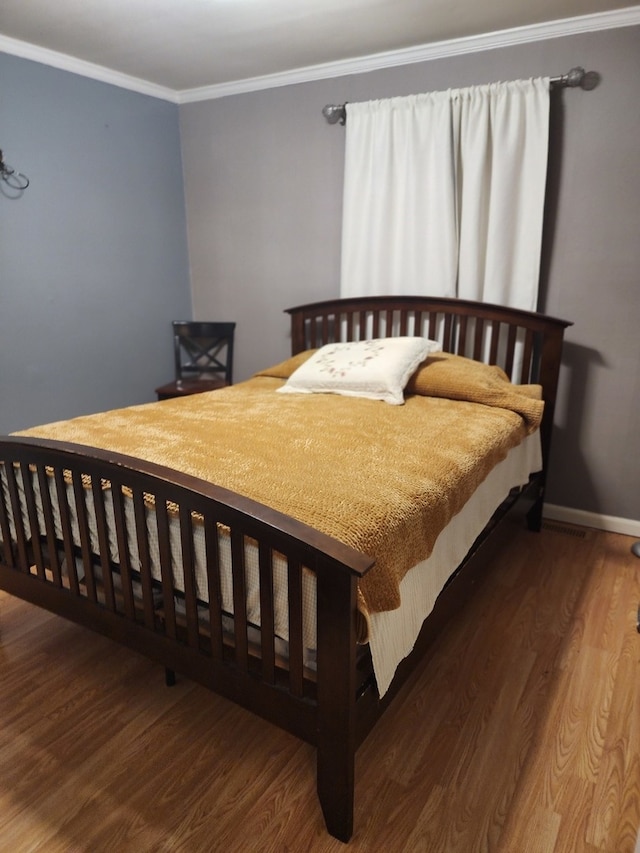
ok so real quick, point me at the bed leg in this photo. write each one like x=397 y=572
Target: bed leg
x=336 y=784
x=169 y=677
x=336 y=740
x=534 y=515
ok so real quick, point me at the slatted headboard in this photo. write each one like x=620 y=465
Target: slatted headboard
x=525 y=344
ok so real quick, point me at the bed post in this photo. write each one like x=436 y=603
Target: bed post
x=298 y=338
x=336 y=736
x=549 y=374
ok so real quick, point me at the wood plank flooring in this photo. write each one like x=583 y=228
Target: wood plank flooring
x=519 y=734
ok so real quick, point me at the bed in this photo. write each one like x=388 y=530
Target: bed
x=248 y=591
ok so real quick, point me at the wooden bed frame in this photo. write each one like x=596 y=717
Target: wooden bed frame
x=332 y=708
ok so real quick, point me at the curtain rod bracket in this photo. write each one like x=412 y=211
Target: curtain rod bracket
x=577 y=77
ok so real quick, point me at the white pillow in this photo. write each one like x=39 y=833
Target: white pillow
x=377 y=369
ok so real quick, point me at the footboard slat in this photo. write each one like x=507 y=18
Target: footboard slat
x=166 y=569
x=267 y=618
x=21 y=536
x=6 y=549
x=21 y=533
x=212 y=550
x=188 y=568
x=296 y=644
x=239 y=599
x=142 y=536
x=32 y=513
x=124 y=559
x=49 y=524
x=103 y=543
x=67 y=534
x=85 y=536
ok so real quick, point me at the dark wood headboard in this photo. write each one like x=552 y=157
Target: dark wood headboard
x=528 y=346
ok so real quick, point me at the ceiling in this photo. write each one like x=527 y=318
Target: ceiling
x=183 y=45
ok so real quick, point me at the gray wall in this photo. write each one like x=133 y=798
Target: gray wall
x=93 y=255
x=263 y=178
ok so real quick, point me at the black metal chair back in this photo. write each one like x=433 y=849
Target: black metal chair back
x=204 y=350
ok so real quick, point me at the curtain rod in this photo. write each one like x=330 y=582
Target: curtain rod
x=337 y=113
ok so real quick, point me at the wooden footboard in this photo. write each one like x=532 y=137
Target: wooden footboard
x=111 y=543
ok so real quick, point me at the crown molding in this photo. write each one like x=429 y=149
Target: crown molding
x=62 y=61
x=436 y=50
x=626 y=17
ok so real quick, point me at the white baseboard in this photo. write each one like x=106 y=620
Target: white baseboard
x=627 y=526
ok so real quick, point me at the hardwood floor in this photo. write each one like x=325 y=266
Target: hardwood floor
x=520 y=732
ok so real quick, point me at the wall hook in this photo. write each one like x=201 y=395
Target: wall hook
x=16 y=180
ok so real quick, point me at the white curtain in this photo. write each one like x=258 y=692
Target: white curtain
x=444 y=193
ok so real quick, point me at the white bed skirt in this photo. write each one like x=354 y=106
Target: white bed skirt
x=394 y=632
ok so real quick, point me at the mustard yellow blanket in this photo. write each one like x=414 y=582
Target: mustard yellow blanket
x=383 y=479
